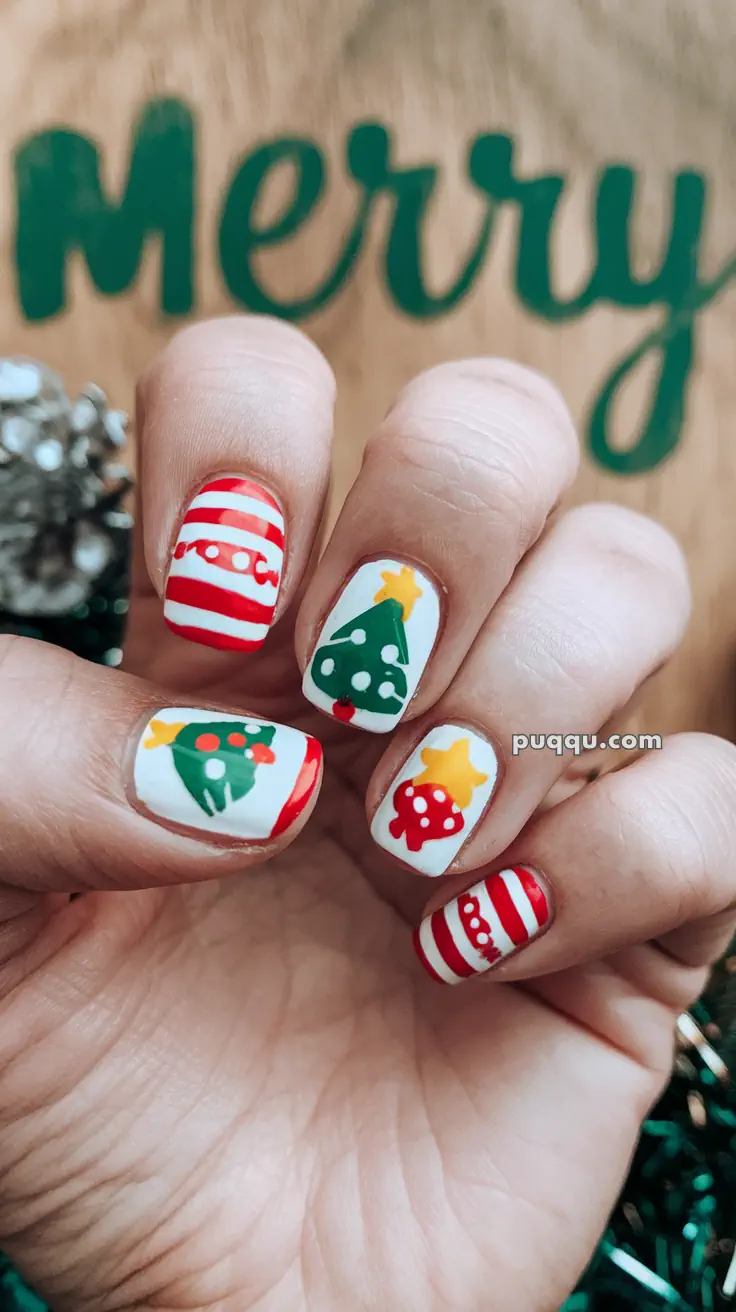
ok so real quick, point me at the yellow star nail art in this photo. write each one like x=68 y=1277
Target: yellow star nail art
x=452 y=770
x=401 y=587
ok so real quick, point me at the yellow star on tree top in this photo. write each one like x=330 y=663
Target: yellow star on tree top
x=162 y=733
x=401 y=587
x=453 y=770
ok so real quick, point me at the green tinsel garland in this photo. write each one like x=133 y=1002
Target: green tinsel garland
x=669 y=1246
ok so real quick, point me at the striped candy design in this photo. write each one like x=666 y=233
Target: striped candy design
x=225 y=572
x=483 y=925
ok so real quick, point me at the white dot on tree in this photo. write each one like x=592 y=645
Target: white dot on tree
x=468 y=908
x=249 y=753
x=212 y=552
x=385 y=689
x=420 y=804
x=475 y=923
x=252 y=726
x=424 y=822
x=390 y=653
x=482 y=938
x=449 y=823
x=358 y=637
x=327 y=665
x=410 y=791
x=361 y=681
x=214 y=768
x=241 y=560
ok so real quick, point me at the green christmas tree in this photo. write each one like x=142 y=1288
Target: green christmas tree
x=216 y=761
x=360 y=666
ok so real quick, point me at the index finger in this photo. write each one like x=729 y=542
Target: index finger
x=235 y=424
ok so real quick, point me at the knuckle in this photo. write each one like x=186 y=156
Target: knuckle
x=483 y=442
x=469 y=476
x=680 y=806
x=239 y=355
x=506 y=376
x=636 y=544
x=568 y=653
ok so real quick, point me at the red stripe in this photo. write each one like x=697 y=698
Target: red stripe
x=446 y=946
x=425 y=959
x=507 y=913
x=221 y=601
x=535 y=893
x=221 y=641
x=235 y=519
x=306 y=782
x=244 y=488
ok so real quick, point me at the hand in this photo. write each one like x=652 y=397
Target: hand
x=226 y=1079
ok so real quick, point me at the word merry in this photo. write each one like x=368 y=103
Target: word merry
x=62 y=208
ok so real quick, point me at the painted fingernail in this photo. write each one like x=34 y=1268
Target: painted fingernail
x=223 y=775
x=437 y=798
x=225 y=572
x=479 y=928
x=374 y=645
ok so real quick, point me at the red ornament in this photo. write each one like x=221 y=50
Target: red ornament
x=424 y=811
x=343 y=710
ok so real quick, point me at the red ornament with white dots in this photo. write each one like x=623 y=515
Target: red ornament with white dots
x=424 y=811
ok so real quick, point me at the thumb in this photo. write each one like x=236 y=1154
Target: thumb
x=107 y=784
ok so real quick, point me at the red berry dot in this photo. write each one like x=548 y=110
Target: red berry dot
x=207 y=742
x=237 y=739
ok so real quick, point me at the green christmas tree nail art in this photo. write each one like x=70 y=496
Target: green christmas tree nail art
x=216 y=761
x=360 y=665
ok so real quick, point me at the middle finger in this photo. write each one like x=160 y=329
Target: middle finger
x=455 y=487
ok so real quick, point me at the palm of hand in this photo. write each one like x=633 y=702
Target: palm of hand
x=246 y=1095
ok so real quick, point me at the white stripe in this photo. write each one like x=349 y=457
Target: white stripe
x=433 y=955
x=466 y=949
x=488 y=911
x=236 y=537
x=520 y=901
x=232 y=501
x=195 y=618
x=193 y=566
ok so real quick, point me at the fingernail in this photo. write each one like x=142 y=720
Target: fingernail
x=374 y=645
x=482 y=926
x=224 y=775
x=225 y=571
x=437 y=798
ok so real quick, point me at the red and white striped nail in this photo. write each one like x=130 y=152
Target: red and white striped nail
x=484 y=925
x=225 y=572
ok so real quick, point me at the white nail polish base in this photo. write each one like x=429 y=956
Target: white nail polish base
x=203 y=791
x=419 y=632
x=437 y=798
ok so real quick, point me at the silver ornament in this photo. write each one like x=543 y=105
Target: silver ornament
x=61 y=489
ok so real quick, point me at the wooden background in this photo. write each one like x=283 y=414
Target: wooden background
x=579 y=83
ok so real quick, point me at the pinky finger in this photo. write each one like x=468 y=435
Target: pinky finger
x=645 y=854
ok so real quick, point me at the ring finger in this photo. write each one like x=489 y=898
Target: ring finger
x=598 y=605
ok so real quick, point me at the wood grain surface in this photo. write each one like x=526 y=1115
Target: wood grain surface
x=580 y=85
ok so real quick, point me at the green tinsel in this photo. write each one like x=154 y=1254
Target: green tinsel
x=670 y=1241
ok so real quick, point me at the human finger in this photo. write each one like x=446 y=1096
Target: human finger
x=642 y=856
x=456 y=485
x=106 y=784
x=235 y=424
x=599 y=603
